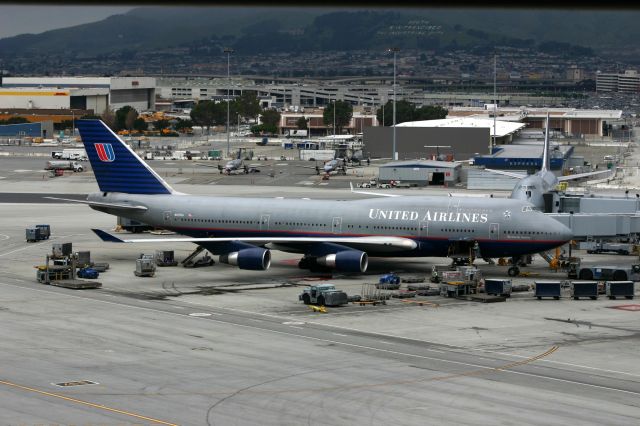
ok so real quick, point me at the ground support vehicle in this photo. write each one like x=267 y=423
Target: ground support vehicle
x=614 y=248
x=612 y=273
x=87 y=273
x=64 y=165
x=205 y=260
x=389 y=282
x=323 y=295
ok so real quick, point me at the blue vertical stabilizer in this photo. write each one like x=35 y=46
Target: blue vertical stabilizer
x=116 y=167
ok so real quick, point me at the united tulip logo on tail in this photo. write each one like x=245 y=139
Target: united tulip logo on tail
x=105 y=152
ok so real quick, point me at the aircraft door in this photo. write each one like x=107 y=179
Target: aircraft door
x=264 y=222
x=494 y=231
x=423 y=229
x=167 y=217
x=336 y=225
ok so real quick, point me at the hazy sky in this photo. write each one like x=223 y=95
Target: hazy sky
x=36 y=19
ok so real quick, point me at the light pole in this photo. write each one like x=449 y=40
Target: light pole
x=73 y=124
x=394 y=50
x=334 y=120
x=228 y=51
x=495 y=103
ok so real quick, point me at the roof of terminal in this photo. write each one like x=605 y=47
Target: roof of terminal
x=503 y=128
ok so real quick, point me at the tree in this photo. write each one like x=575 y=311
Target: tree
x=181 y=124
x=161 y=124
x=430 y=112
x=202 y=114
x=343 y=114
x=271 y=118
x=139 y=124
x=109 y=118
x=132 y=116
x=406 y=111
x=14 y=120
x=248 y=104
x=123 y=117
x=302 y=123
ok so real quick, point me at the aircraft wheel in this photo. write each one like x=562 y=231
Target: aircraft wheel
x=513 y=271
x=321 y=300
x=306 y=299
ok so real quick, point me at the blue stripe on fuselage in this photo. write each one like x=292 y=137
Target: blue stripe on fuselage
x=427 y=246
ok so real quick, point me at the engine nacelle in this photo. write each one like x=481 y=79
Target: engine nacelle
x=345 y=261
x=255 y=259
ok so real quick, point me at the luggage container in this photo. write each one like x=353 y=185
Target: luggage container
x=165 y=258
x=547 y=289
x=83 y=259
x=45 y=231
x=498 y=287
x=620 y=288
x=32 y=235
x=145 y=267
x=584 y=289
x=59 y=250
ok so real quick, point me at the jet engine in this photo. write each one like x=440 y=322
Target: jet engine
x=345 y=261
x=255 y=259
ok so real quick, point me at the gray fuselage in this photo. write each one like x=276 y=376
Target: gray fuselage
x=501 y=227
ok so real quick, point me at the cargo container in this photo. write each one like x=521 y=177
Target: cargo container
x=547 y=289
x=584 y=289
x=498 y=287
x=620 y=288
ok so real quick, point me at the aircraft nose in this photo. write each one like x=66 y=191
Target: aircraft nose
x=566 y=234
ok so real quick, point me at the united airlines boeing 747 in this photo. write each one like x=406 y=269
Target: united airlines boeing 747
x=338 y=235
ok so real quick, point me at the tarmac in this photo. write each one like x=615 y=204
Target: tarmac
x=218 y=345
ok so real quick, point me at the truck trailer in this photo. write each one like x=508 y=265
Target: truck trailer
x=64 y=165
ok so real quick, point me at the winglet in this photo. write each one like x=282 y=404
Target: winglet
x=105 y=236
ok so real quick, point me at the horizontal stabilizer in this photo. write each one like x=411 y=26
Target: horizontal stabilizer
x=583 y=175
x=105 y=236
x=99 y=204
x=505 y=173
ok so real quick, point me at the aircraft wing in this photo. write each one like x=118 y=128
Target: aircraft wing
x=505 y=173
x=379 y=194
x=123 y=206
x=394 y=243
x=582 y=175
x=207 y=165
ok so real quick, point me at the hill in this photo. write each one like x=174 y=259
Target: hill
x=253 y=30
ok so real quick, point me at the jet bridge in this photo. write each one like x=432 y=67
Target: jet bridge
x=599 y=225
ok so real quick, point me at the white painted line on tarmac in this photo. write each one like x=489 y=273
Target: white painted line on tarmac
x=299 y=328
x=4 y=237
x=200 y=314
x=338 y=334
x=385 y=342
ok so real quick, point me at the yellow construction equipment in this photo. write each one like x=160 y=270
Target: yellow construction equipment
x=316 y=308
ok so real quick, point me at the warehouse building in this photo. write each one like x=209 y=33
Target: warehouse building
x=421 y=172
x=43 y=129
x=82 y=93
x=464 y=137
